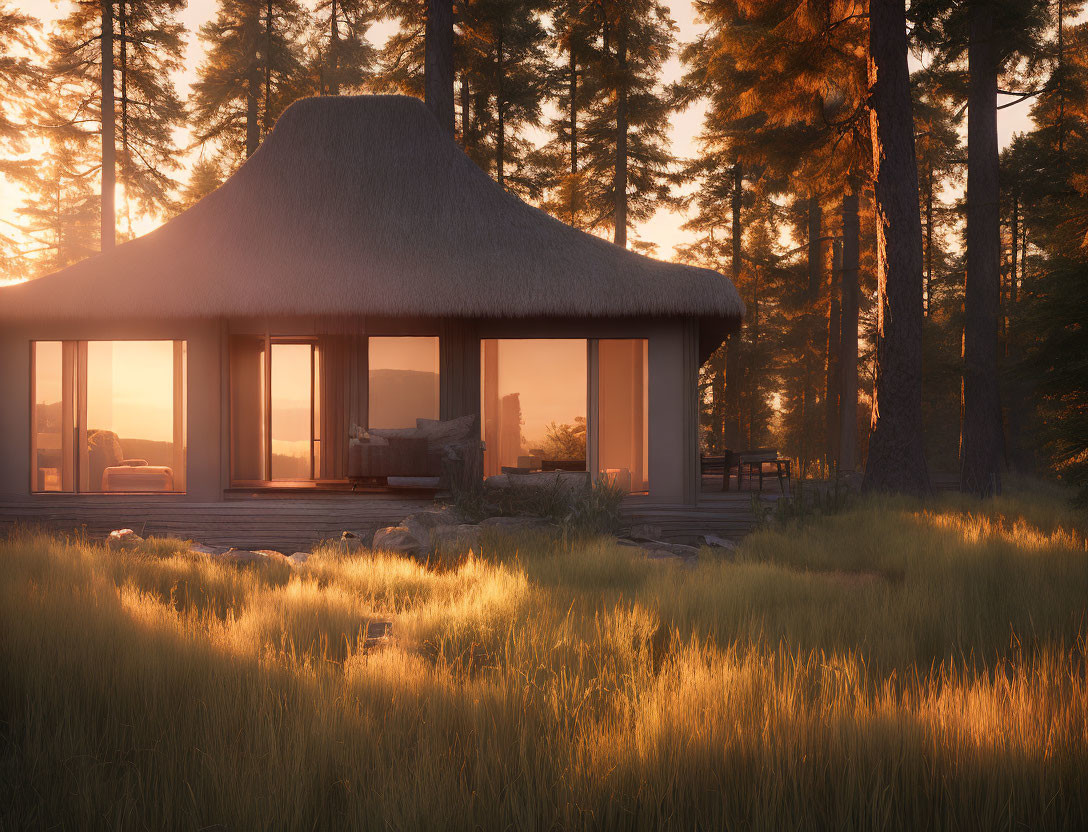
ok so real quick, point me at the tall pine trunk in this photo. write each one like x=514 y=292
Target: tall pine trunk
x=732 y=356
x=896 y=459
x=815 y=247
x=619 y=178
x=848 y=339
x=500 y=107
x=268 y=67
x=980 y=471
x=573 y=82
x=438 y=63
x=831 y=382
x=334 y=50
x=109 y=128
x=928 y=299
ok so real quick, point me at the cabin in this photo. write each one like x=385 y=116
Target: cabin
x=354 y=302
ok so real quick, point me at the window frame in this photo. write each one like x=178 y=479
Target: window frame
x=74 y=389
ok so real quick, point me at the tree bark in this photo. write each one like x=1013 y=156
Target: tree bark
x=815 y=247
x=733 y=384
x=980 y=471
x=928 y=299
x=500 y=107
x=896 y=459
x=334 y=50
x=268 y=67
x=438 y=63
x=848 y=339
x=831 y=382
x=573 y=82
x=619 y=179
x=109 y=128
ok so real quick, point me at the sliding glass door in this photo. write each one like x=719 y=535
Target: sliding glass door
x=275 y=388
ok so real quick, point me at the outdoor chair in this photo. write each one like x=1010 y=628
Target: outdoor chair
x=755 y=463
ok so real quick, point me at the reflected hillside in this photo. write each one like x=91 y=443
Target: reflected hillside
x=399 y=397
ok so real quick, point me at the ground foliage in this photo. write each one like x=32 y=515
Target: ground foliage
x=898 y=665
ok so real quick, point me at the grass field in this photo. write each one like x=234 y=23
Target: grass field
x=899 y=665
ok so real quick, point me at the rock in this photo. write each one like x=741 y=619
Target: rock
x=646 y=531
x=271 y=554
x=203 y=549
x=423 y=523
x=242 y=557
x=350 y=542
x=658 y=549
x=123 y=539
x=298 y=558
x=719 y=542
x=461 y=538
x=397 y=539
x=516 y=524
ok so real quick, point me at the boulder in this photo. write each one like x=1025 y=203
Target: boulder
x=123 y=539
x=350 y=542
x=658 y=549
x=459 y=538
x=423 y=523
x=271 y=555
x=242 y=557
x=719 y=542
x=298 y=558
x=203 y=549
x=397 y=539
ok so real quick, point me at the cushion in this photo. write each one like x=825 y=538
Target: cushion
x=438 y=432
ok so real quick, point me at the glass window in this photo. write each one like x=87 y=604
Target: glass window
x=134 y=434
x=622 y=409
x=534 y=403
x=108 y=416
x=53 y=430
x=403 y=381
x=292 y=411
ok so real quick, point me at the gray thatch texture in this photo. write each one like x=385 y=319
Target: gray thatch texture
x=359 y=205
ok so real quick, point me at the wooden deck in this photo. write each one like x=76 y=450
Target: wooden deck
x=291 y=524
x=294 y=523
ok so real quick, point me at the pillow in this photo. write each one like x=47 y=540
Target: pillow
x=439 y=433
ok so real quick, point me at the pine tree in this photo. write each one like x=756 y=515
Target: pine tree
x=993 y=37
x=252 y=70
x=574 y=29
x=896 y=460
x=786 y=91
x=59 y=214
x=506 y=64
x=626 y=150
x=20 y=78
x=134 y=98
x=341 y=56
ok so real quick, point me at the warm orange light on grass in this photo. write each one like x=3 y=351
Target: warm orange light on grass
x=544 y=683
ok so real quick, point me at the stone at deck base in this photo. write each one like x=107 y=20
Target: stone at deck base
x=398 y=540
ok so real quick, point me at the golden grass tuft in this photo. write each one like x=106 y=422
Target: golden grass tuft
x=898 y=666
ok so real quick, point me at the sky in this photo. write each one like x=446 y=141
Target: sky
x=663 y=229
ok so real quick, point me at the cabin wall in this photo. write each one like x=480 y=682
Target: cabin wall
x=673 y=371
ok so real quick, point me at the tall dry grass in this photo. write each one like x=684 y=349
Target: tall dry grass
x=898 y=666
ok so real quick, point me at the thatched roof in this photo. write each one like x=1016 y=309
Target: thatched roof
x=361 y=206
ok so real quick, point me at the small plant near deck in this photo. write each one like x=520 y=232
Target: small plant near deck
x=589 y=509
